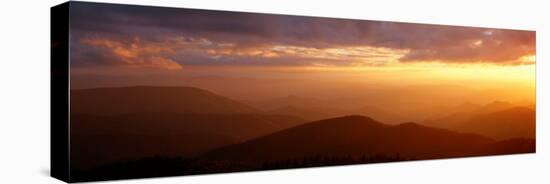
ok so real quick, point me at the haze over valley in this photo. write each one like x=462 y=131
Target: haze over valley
x=172 y=91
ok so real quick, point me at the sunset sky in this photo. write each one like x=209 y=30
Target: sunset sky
x=132 y=45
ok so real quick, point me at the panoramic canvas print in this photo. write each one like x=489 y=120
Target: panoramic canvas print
x=158 y=91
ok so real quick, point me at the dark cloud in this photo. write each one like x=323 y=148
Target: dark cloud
x=246 y=30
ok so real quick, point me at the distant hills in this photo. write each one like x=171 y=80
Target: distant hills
x=516 y=122
x=308 y=113
x=123 y=100
x=322 y=112
x=498 y=120
x=380 y=115
x=465 y=111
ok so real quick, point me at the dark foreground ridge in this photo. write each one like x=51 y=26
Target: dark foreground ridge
x=330 y=142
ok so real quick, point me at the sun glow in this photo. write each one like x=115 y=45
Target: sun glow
x=529 y=59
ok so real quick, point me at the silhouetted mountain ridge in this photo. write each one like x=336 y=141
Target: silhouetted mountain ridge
x=354 y=136
x=137 y=99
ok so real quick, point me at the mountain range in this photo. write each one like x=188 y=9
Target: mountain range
x=110 y=125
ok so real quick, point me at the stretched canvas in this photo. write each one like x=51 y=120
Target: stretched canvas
x=142 y=91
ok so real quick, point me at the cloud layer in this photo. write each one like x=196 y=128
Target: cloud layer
x=170 y=38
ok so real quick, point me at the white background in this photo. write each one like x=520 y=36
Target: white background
x=24 y=90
